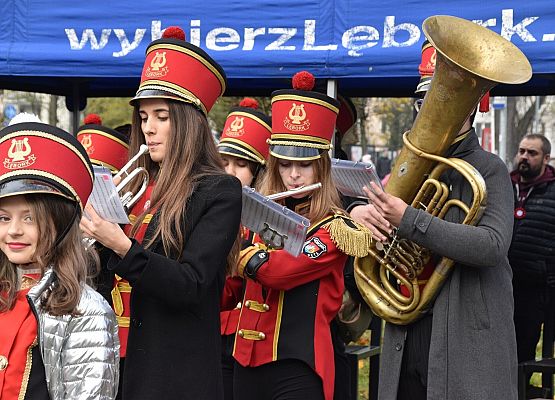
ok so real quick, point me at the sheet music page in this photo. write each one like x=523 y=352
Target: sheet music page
x=105 y=198
x=273 y=222
x=350 y=176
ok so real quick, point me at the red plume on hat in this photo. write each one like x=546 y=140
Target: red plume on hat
x=174 y=32
x=249 y=102
x=92 y=119
x=303 y=80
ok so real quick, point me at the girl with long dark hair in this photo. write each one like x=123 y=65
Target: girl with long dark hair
x=170 y=262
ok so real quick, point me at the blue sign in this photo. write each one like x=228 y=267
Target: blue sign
x=370 y=47
x=9 y=111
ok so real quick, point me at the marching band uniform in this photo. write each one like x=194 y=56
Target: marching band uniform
x=245 y=135
x=22 y=371
x=288 y=306
x=283 y=334
x=171 y=303
x=44 y=356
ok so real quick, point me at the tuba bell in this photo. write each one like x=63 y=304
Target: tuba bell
x=462 y=76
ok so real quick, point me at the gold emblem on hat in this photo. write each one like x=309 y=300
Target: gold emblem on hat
x=297 y=120
x=157 y=67
x=86 y=141
x=158 y=61
x=19 y=155
x=236 y=127
x=432 y=63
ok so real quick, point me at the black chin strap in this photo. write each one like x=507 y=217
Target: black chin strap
x=61 y=236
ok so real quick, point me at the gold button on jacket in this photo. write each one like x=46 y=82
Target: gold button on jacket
x=3 y=363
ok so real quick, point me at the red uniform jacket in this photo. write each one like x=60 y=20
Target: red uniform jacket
x=287 y=311
x=18 y=335
x=121 y=293
x=232 y=295
x=230 y=305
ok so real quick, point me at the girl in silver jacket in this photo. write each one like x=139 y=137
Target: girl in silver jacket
x=58 y=337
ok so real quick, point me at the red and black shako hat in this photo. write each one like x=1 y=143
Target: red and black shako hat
x=40 y=158
x=426 y=68
x=303 y=121
x=246 y=132
x=177 y=70
x=347 y=115
x=105 y=146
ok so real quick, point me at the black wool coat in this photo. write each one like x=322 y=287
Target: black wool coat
x=174 y=338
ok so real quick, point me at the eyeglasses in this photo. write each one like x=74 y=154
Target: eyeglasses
x=418 y=104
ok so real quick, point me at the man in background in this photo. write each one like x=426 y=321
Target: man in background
x=532 y=252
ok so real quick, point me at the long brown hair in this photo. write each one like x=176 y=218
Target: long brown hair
x=67 y=256
x=323 y=201
x=191 y=154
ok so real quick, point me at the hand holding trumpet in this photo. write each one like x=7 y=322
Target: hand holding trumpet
x=107 y=233
x=95 y=228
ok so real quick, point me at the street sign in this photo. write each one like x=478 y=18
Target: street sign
x=499 y=102
x=10 y=111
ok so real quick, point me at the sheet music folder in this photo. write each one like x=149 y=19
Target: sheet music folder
x=105 y=197
x=350 y=176
x=277 y=226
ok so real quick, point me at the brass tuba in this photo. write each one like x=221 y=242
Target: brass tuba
x=470 y=61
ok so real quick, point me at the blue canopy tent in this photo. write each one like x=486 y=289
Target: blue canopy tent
x=95 y=49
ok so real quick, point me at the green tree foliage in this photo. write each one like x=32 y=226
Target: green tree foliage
x=397 y=117
x=114 y=111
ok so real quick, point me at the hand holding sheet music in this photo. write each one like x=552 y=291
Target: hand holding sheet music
x=351 y=176
x=105 y=198
x=278 y=226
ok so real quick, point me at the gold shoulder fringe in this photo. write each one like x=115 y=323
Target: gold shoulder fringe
x=349 y=236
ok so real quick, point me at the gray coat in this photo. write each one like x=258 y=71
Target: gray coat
x=473 y=346
x=80 y=353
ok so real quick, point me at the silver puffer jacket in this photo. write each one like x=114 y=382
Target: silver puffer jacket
x=81 y=353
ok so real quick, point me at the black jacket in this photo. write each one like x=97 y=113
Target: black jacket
x=174 y=339
x=532 y=252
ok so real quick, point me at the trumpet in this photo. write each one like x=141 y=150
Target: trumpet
x=127 y=197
